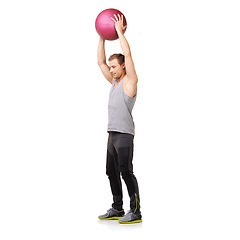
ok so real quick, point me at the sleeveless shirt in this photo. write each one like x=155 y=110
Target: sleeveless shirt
x=120 y=108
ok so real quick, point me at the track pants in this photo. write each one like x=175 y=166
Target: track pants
x=119 y=162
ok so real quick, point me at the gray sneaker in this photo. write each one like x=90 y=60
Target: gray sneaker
x=112 y=214
x=131 y=217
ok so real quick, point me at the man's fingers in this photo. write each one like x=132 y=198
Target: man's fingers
x=116 y=17
x=113 y=19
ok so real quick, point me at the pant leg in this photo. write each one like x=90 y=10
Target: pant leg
x=124 y=147
x=114 y=174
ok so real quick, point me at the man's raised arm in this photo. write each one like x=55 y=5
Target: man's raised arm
x=101 y=60
x=129 y=65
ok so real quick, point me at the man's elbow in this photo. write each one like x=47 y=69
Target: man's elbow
x=101 y=62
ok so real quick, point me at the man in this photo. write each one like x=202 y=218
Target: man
x=122 y=75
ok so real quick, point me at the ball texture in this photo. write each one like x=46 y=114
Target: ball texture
x=105 y=26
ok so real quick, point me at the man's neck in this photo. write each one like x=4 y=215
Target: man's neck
x=119 y=79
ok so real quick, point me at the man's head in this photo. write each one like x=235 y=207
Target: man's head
x=117 y=65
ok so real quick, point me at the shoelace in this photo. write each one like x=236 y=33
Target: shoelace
x=129 y=212
x=109 y=210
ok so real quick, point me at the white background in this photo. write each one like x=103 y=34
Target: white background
x=53 y=119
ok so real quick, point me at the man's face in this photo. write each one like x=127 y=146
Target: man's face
x=116 y=69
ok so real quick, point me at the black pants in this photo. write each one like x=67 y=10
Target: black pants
x=119 y=161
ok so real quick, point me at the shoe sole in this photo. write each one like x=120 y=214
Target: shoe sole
x=111 y=218
x=136 y=221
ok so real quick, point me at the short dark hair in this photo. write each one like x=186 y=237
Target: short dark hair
x=120 y=57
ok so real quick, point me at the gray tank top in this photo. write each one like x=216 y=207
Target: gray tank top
x=120 y=108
